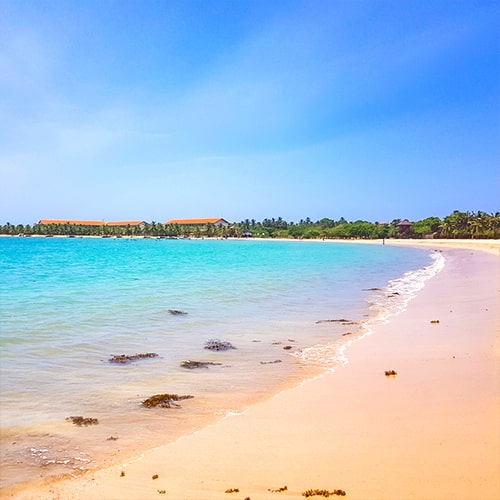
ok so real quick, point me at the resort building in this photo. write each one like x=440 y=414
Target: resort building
x=199 y=222
x=133 y=223
x=49 y=222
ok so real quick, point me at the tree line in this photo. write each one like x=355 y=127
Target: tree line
x=467 y=225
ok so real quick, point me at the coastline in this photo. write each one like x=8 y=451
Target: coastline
x=430 y=432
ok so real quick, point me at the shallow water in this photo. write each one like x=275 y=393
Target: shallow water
x=68 y=305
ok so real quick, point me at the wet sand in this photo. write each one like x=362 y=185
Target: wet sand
x=430 y=432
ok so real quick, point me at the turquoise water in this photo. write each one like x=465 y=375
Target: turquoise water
x=68 y=305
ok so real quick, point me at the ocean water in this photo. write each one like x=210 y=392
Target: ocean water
x=67 y=306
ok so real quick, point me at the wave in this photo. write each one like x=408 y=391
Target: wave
x=385 y=303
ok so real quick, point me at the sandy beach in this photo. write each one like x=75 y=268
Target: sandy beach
x=429 y=432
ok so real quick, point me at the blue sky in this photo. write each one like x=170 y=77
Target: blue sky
x=153 y=110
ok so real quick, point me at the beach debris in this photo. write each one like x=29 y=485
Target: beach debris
x=232 y=490
x=346 y=333
x=218 y=345
x=390 y=373
x=270 y=362
x=164 y=400
x=341 y=320
x=278 y=490
x=112 y=438
x=434 y=321
x=374 y=289
x=124 y=358
x=122 y=474
x=154 y=476
x=176 y=312
x=287 y=347
x=162 y=492
x=323 y=493
x=85 y=421
x=191 y=365
x=276 y=343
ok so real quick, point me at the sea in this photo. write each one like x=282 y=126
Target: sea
x=281 y=312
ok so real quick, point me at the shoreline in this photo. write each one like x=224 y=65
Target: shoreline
x=318 y=435
x=487 y=245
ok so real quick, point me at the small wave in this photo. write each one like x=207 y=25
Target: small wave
x=385 y=304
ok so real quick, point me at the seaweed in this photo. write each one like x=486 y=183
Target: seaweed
x=435 y=321
x=278 y=490
x=390 y=373
x=191 y=365
x=123 y=358
x=218 y=345
x=112 y=438
x=79 y=421
x=162 y=492
x=342 y=320
x=270 y=362
x=232 y=490
x=287 y=347
x=323 y=493
x=164 y=400
x=154 y=476
x=176 y=312
x=122 y=474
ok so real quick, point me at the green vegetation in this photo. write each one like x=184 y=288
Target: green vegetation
x=466 y=225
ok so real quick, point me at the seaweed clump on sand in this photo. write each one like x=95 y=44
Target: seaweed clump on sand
x=124 y=358
x=278 y=490
x=323 y=493
x=232 y=490
x=218 y=345
x=164 y=400
x=390 y=373
x=85 y=421
x=191 y=365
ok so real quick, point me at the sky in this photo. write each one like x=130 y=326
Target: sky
x=248 y=109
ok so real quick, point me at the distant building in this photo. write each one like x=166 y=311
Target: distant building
x=132 y=223
x=404 y=227
x=198 y=222
x=48 y=222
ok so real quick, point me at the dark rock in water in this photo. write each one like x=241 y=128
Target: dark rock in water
x=176 y=312
x=79 y=421
x=270 y=362
x=123 y=358
x=218 y=345
x=164 y=400
x=191 y=365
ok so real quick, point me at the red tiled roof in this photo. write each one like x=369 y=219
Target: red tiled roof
x=73 y=222
x=126 y=223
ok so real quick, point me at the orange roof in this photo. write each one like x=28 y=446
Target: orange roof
x=127 y=223
x=73 y=222
x=194 y=221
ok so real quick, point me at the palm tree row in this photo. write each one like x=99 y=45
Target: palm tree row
x=456 y=225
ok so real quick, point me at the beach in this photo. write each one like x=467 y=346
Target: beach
x=429 y=431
